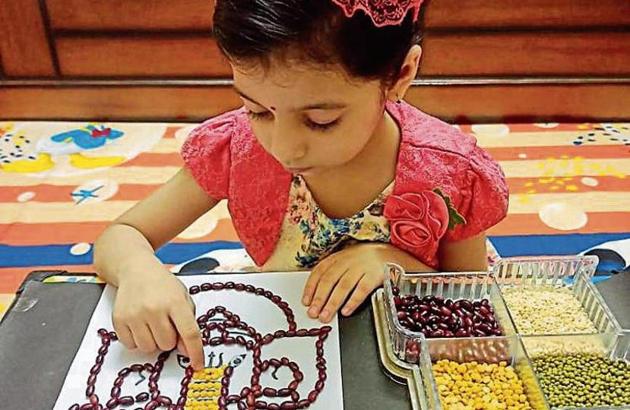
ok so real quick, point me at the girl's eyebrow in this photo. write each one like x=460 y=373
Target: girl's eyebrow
x=242 y=94
x=317 y=106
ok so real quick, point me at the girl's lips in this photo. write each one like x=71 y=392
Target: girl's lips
x=299 y=170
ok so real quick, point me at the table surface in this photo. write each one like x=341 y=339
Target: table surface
x=40 y=335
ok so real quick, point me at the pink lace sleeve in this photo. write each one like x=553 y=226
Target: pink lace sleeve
x=206 y=154
x=484 y=198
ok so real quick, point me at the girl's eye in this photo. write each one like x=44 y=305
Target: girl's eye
x=321 y=127
x=265 y=115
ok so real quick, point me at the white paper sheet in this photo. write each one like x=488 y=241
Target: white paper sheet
x=256 y=311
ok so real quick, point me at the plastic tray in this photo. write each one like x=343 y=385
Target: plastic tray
x=475 y=286
x=574 y=272
x=613 y=345
x=514 y=354
x=544 y=270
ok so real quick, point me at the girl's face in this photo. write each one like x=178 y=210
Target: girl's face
x=309 y=120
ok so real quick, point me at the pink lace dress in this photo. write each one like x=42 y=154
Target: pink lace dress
x=446 y=188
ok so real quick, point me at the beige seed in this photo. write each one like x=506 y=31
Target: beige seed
x=546 y=310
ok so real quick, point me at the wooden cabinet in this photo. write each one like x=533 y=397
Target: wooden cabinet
x=475 y=52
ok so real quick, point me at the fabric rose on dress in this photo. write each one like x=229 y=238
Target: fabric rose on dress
x=417 y=220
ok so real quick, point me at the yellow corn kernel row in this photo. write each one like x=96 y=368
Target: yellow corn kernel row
x=199 y=405
x=204 y=389
x=197 y=386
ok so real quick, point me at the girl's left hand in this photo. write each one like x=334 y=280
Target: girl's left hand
x=356 y=270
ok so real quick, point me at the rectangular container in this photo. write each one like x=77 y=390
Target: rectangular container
x=514 y=354
x=549 y=270
x=476 y=285
x=574 y=272
x=615 y=346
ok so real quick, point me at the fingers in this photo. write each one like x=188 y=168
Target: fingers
x=124 y=333
x=164 y=333
x=184 y=321
x=181 y=347
x=339 y=294
x=362 y=290
x=315 y=277
x=143 y=338
x=325 y=286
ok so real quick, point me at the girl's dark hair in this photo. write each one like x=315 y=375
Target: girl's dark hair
x=313 y=31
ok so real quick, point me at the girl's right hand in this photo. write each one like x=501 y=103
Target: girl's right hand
x=155 y=312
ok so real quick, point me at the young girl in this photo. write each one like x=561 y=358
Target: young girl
x=325 y=168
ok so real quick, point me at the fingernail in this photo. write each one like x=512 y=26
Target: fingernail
x=345 y=311
x=324 y=315
x=306 y=300
x=313 y=311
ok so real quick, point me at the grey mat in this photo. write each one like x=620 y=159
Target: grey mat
x=41 y=334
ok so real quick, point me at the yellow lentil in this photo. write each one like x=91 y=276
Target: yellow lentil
x=474 y=386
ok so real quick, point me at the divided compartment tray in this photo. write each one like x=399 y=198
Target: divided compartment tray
x=508 y=349
x=572 y=271
x=613 y=345
x=473 y=286
x=398 y=370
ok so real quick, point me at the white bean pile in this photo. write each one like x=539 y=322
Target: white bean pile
x=546 y=310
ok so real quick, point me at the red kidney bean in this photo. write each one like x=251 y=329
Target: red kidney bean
x=484 y=328
x=284 y=392
x=430 y=314
x=478 y=333
x=461 y=333
x=484 y=311
x=437 y=333
x=89 y=391
x=142 y=397
x=442 y=326
x=270 y=392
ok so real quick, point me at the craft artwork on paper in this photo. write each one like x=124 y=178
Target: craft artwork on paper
x=261 y=350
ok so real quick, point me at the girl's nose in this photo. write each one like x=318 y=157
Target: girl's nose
x=288 y=147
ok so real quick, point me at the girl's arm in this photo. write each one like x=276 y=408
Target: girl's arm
x=468 y=255
x=153 y=309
